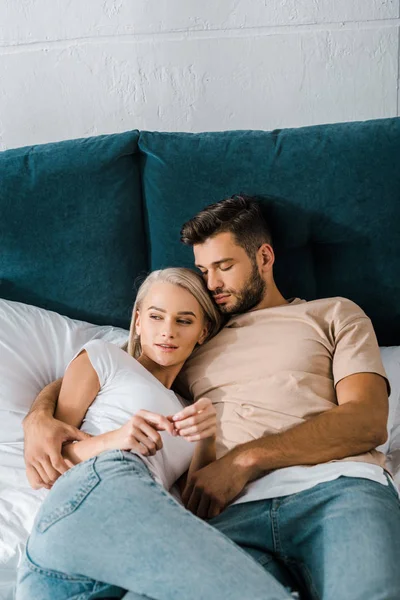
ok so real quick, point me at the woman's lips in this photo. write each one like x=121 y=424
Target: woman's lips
x=167 y=348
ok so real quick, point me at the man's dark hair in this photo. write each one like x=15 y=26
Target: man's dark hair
x=240 y=215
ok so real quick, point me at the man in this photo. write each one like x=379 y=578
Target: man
x=301 y=397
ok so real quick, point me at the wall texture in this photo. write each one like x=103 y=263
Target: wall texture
x=70 y=68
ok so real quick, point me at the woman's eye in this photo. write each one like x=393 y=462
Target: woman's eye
x=155 y=317
x=183 y=322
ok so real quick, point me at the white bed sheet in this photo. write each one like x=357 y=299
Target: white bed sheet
x=19 y=504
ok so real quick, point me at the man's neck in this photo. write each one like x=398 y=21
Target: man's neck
x=272 y=298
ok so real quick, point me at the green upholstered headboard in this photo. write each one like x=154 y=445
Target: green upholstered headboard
x=81 y=220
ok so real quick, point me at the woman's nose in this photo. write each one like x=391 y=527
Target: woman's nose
x=168 y=331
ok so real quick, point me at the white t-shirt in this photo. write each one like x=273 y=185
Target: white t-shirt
x=125 y=388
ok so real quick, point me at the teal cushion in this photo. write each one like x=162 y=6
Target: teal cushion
x=71 y=227
x=331 y=193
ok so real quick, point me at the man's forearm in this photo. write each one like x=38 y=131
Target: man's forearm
x=46 y=400
x=338 y=433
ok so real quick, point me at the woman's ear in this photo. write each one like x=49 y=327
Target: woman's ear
x=137 y=322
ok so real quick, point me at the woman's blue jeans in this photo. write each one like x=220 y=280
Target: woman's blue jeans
x=107 y=527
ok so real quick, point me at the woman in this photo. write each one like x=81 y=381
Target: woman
x=109 y=524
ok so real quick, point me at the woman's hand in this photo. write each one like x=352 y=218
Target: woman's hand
x=140 y=433
x=197 y=421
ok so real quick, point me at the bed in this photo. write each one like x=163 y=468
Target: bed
x=83 y=220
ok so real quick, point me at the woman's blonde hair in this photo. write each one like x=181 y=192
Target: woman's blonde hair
x=188 y=280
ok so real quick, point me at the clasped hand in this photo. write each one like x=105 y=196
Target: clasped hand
x=141 y=433
x=45 y=437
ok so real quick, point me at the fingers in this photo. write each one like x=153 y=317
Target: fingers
x=159 y=421
x=35 y=481
x=203 y=507
x=200 y=431
x=199 y=425
x=51 y=473
x=58 y=463
x=148 y=446
x=142 y=432
x=43 y=475
x=194 y=408
x=76 y=434
x=191 y=497
x=215 y=508
x=152 y=435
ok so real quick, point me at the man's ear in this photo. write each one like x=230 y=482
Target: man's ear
x=203 y=336
x=266 y=257
x=137 y=322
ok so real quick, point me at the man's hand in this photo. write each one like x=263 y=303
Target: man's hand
x=197 y=421
x=210 y=489
x=44 y=438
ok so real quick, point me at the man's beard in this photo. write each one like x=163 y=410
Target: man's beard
x=253 y=292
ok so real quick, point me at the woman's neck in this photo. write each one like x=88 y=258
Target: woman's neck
x=165 y=375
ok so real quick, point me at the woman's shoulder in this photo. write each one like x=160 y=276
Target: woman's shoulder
x=107 y=351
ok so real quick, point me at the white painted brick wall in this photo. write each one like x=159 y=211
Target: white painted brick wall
x=72 y=69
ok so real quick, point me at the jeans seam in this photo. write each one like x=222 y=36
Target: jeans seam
x=51 y=573
x=299 y=565
x=91 y=481
x=275 y=531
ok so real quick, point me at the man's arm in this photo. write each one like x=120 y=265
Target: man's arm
x=44 y=436
x=46 y=400
x=355 y=426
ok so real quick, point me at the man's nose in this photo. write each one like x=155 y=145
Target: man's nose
x=214 y=282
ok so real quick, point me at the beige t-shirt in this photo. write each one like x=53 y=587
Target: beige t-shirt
x=271 y=369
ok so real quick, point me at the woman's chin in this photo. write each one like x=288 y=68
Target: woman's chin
x=167 y=359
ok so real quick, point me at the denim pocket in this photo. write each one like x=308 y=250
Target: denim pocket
x=67 y=494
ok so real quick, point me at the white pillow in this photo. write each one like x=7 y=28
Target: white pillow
x=391 y=361
x=35 y=347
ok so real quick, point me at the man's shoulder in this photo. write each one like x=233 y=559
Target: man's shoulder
x=339 y=307
x=336 y=313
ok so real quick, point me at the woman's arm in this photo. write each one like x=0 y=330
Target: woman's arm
x=79 y=388
x=139 y=433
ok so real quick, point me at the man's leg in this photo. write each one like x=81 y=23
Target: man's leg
x=249 y=525
x=345 y=537
x=120 y=527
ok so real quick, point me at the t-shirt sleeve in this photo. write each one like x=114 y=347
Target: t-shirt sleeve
x=101 y=358
x=356 y=350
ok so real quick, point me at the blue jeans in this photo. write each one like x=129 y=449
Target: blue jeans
x=107 y=527
x=339 y=540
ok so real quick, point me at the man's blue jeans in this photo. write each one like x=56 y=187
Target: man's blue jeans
x=107 y=527
x=339 y=540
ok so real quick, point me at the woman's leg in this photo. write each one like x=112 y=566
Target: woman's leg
x=108 y=520
x=34 y=582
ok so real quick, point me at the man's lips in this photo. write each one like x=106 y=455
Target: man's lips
x=221 y=298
